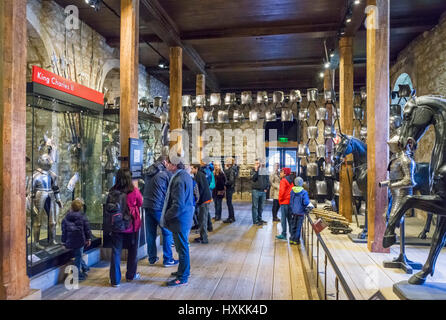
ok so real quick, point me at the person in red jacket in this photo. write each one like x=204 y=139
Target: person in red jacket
x=286 y=185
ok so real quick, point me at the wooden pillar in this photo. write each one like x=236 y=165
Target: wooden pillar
x=346 y=101
x=176 y=90
x=377 y=119
x=129 y=74
x=200 y=90
x=14 y=282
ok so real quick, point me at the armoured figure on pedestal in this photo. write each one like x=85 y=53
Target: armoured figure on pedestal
x=401 y=183
x=45 y=195
x=112 y=152
x=419 y=114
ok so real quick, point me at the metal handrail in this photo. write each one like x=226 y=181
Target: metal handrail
x=328 y=258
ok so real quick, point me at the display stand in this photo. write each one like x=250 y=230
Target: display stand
x=401 y=262
x=427 y=291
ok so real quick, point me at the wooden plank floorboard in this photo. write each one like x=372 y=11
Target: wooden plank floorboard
x=240 y=262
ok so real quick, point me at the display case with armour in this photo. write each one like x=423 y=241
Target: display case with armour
x=63 y=153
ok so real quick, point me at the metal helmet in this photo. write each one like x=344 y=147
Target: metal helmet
x=45 y=162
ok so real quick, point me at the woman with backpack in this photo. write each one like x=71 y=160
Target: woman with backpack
x=124 y=200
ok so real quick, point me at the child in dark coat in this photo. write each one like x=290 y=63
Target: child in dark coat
x=76 y=234
x=299 y=205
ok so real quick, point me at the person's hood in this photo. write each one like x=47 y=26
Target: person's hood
x=72 y=216
x=289 y=179
x=297 y=189
x=155 y=168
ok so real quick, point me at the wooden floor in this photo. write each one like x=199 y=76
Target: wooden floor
x=241 y=262
x=364 y=271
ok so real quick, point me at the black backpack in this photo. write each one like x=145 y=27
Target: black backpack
x=116 y=212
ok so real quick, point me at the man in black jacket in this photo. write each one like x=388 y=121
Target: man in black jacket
x=231 y=175
x=156 y=182
x=260 y=185
x=203 y=202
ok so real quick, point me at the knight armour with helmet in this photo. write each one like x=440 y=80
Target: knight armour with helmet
x=46 y=199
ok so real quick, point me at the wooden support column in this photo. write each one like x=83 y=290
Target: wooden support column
x=129 y=74
x=176 y=90
x=14 y=282
x=346 y=117
x=377 y=119
x=200 y=90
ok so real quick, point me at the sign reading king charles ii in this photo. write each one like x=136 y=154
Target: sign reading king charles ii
x=54 y=81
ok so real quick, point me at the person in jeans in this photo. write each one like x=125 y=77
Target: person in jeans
x=76 y=235
x=260 y=185
x=231 y=173
x=156 y=182
x=208 y=170
x=204 y=201
x=177 y=216
x=299 y=206
x=274 y=180
x=286 y=184
x=128 y=238
x=219 y=191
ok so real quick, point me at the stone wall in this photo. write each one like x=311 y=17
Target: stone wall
x=424 y=60
x=85 y=50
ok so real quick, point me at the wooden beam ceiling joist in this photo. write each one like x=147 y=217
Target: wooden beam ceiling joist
x=156 y=17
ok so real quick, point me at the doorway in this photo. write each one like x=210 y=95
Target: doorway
x=286 y=157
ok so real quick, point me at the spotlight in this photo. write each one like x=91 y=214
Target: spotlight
x=321 y=75
x=357 y=2
x=163 y=64
x=342 y=32
x=95 y=4
x=349 y=16
x=332 y=54
x=327 y=65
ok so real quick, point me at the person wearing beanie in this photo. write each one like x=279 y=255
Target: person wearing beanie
x=286 y=183
x=299 y=205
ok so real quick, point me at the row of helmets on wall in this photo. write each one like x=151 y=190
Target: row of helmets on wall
x=237 y=110
x=244 y=108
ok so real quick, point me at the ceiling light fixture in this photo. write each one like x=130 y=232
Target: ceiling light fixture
x=357 y=2
x=322 y=74
x=327 y=65
x=95 y=4
x=163 y=64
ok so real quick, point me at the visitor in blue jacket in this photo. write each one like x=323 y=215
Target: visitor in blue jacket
x=299 y=205
x=177 y=216
x=156 y=182
x=76 y=235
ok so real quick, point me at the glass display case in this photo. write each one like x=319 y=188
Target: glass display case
x=64 y=148
x=149 y=128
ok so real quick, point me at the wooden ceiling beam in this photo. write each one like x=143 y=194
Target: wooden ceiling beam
x=159 y=21
x=268 y=64
x=151 y=38
x=311 y=31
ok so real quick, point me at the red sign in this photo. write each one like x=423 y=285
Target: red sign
x=54 y=81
